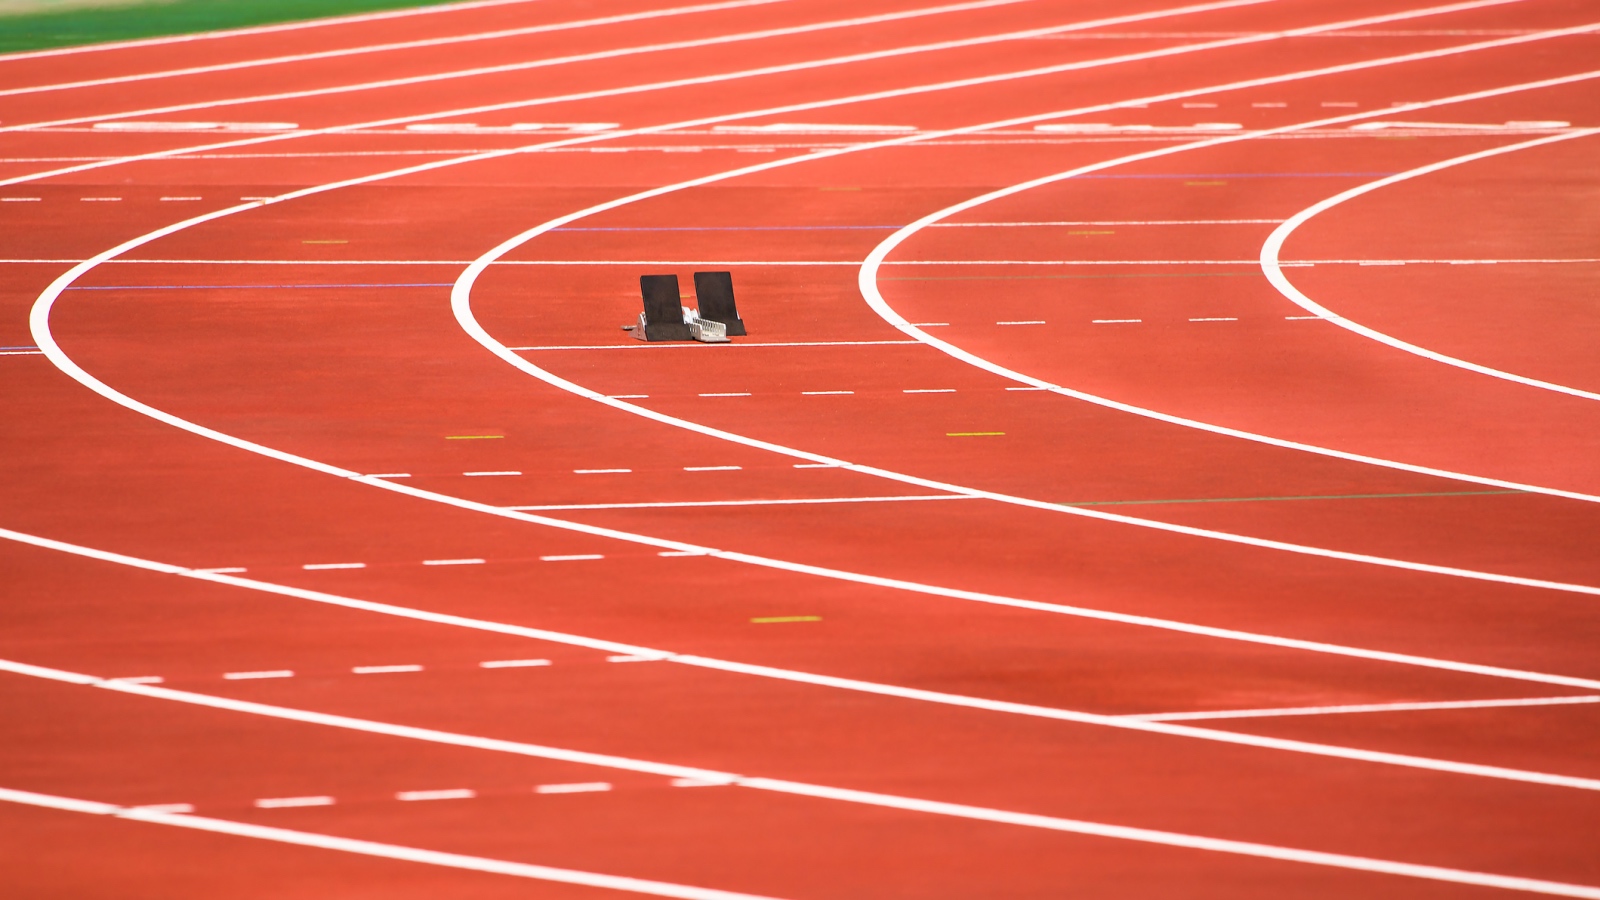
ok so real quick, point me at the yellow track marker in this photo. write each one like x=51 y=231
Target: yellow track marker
x=473 y=437
x=768 y=620
x=974 y=434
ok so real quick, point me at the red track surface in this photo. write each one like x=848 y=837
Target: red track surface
x=1217 y=505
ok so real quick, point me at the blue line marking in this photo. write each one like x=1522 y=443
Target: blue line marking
x=239 y=287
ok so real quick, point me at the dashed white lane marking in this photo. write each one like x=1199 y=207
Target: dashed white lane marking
x=614 y=396
x=512 y=663
x=572 y=557
x=637 y=657
x=225 y=570
x=1366 y=707
x=1216 y=319
x=601 y=471
x=823 y=393
x=929 y=325
x=167 y=807
x=21 y=199
x=712 y=468
x=1114 y=321
x=575 y=788
x=672 y=504
x=384 y=670
x=728 y=394
x=318 y=566
x=489 y=474
x=140 y=679
x=292 y=802
x=391 y=475
x=100 y=199
x=449 y=794
x=370 y=848
x=1300 y=318
x=1268 y=105
x=818 y=465
x=928 y=391
x=180 y=199
x=474 y=561
x=1024 y=322
x=700 y=782
x=249 y=676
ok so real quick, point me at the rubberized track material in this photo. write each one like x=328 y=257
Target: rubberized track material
x=387 y=574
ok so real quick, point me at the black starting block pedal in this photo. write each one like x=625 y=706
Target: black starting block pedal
x=715 y=293
x=665 y=318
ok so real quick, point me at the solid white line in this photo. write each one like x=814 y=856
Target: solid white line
x=384 y=670
x=701 y=503
x=572 y=557
x=640 y=345
x=730 y=394
x=1216 y=319
x=319 y=566
x=373 y=848
x=487 y=474
x=513 y=663
x=575 y=788
x=293 y=802
x=454 y=562
x=866 y=798
x=449 y=794
x=928 y=391
x=712 y=468
x=246 y=676
x=601 y=471
x=1362 y=708
x=1274 y=245
x=630 y=653
x=339 y=53
x=824 y=393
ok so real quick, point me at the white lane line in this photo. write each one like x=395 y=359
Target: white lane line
x=342 y=52
x=488 y=474
x=1363 y=708
x=584 y=787
x=785 y=502
x=100 y=199
x=1025 y=388
x=513 y=663
x=824 y=393
x=473 y=561
x=293 y=802
x=23 y=199
x=728 y=394
x=1274 y=272
x=617 y=53
x=867 y=281
x=1025 y=322
x=248 y=676
x=698 y=782
x=448 y=794
x=823 y=792
x=1114 y=321
x=928 y=391
x=384 y=670
x=319 y=566
x=373 y=848
x=664 y=345
x=682 y=553
x=390 y=475
x=756 y=72
x=179 y=199
x=141 y=679
x=1216 y=319
x=630 y=653
x=167 y=807
x=1105 y=222
x=572 y=557
x=226 y=570
x=601 y=471
x=712 y=468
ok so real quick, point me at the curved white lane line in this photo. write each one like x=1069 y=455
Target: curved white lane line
x=1126 y=722
x=816 y=791
x=372 y=848
x=1274 y=271
x=395 y=45
x=257 y=29
x=39 y=323
x=868 y=284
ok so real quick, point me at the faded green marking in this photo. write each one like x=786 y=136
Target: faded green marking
x=1307 y=497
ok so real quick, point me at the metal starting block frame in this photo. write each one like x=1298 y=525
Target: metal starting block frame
x=665 y=318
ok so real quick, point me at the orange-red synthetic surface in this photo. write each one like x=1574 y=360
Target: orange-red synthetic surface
x=1042 y=539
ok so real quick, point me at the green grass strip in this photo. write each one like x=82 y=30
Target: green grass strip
x=24 y=26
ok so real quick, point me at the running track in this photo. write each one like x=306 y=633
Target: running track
x=1121 y=492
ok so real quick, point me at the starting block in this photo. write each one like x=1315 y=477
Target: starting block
x=665 y=318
